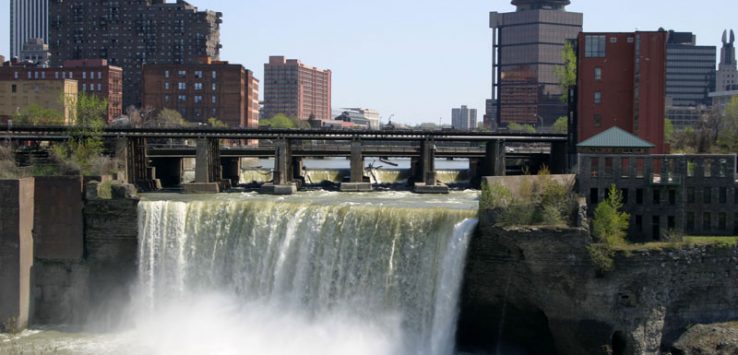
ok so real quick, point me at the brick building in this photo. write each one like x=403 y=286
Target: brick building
x=94 y=76
x=228 y=92
x=296 y=90
x=59 y=95
x=622 y=83
x=131 y=33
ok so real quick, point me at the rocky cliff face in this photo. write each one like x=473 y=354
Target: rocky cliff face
x=536 y=291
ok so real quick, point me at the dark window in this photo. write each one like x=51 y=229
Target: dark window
x=625 y=195
x=14 y=88
x=594 y=46
x=707 y=195
x=690 y=195
x=706 y=221
x=597 y=119
x=671 y=222
x=722 y=221
x=639 y=223
x=594 y=197
x=656 y=224
x=656 y=196
x=690 y=221
x=735 y=224
x=723 y=195
x=672 y=197
x=639 y=196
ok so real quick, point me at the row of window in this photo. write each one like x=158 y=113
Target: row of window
x=196 y=98
x=198 y=74
x=594 y=196
x=58 y=75
x=181 y=86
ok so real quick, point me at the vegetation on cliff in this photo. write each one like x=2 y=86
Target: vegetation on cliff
x=609 y=228
x=543 y=201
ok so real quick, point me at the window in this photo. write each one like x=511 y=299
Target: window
x=594 y=46
x=671 y=222
x=84 y=75
x=166 y=74
x=182 y=73
x=198 y=74
x=625 y=195
x=594 y=197
x=690 y=195
x=707 y=195
x=672 y=197
x=99 y=87
x=212 y=99
x=639 y=223
x=56 y=75
x=690 y=221
x=214 y=74
x=198 y=86
x=166 y=98
x=84 y=87
x=598 y=73
x=598 y=97
x=14 y=88
x=166 y=85
x=597 y=120
x=706 y=221
x=43 y=75
x=198 y=99
x=182 y=86
x=656 y=196
x=723 y=195
x=182 y=98
x=722 y=221
x=15 y=75
x=215 y=86
x=639 y=196
x=99 y=75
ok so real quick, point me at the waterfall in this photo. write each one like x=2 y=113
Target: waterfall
x=297 y=276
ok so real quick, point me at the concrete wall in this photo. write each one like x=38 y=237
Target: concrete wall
x=58 y=229
x=16 y=251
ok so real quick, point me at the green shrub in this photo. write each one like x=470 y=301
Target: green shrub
x=610 y=224
x=602 y=257
x=105 y=190
x=494 y=196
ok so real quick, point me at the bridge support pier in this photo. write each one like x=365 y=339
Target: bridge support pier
x=131 y=155
x=283 y=183
x=208 y=171
x=169 y=171
x=357 y=183
x=429 y=184
x=231 y=169
x=559 y=158
x=494 y=159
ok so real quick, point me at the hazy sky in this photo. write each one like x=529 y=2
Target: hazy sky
x=415 y=59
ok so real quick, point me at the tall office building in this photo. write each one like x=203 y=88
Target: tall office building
x=296 y=90
x=527 y=48
x=132 y=33
x=621 y=82
x=727 y=74
x=228 y=92
x=464 y=118
x=29 y=19
x=690 y=77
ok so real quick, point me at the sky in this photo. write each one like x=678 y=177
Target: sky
x=414 y=60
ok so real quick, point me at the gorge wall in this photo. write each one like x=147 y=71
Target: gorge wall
x=536 y=291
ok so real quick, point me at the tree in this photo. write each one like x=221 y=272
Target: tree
x=524 y=128
x=668 y=131
x=561 y=125
x=567 y=74
x=610 y=224
x=727 y=133
x=216 y=123
x=85 y=144
x=36 y=115
x=166 y=118
x=139 y=117
x=283 y=121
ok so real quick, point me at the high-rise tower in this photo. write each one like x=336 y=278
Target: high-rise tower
x=727 y=74
x=29 y=19
x=527 y=50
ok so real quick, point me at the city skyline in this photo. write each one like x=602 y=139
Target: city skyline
x=406 y=59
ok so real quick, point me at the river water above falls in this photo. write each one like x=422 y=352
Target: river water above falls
x=315 y=273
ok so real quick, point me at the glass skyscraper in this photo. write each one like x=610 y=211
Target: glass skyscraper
x=29 y=19
x=527 y=50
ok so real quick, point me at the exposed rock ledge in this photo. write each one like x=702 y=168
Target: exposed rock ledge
x=536 y=291
x=713 y=339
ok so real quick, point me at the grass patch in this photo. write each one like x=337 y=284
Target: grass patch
x=686 y=242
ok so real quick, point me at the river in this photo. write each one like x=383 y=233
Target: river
x=314 y=273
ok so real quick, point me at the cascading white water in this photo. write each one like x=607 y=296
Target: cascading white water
x=266 y=276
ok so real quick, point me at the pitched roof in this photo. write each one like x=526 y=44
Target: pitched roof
x=615 y=138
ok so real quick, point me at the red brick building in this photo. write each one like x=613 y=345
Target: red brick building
x=622 y=83
x=211 y=89
x=296 y=90
x=94 y=76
